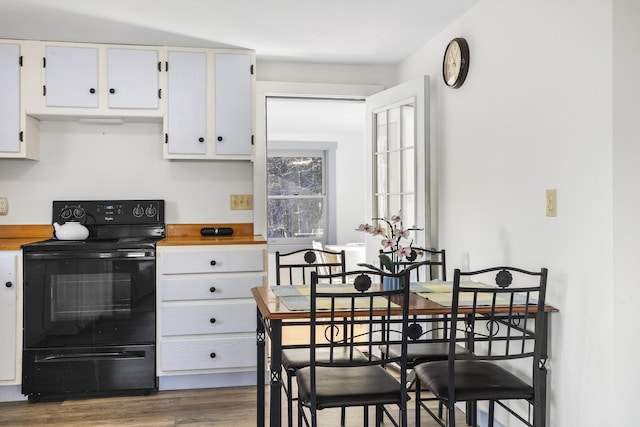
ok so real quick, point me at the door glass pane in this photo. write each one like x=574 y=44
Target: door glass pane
x=393 y=129
x=381 y=181
x=381 y=131
x=408 y=171
x=394 y=172
x=408 y=126
x=408 y=210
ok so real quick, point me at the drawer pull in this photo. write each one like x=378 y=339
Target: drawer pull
x=212 y=289
x=213 y=262
x=212 y=355
x=212 y=320
x=8 y=284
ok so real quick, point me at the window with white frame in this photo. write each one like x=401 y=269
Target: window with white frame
x=297 y=196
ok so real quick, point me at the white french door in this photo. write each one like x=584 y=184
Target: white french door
x=398 y=143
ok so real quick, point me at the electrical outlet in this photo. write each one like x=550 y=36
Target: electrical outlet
x=4 y=206
x=552 y=201
x=241 y=202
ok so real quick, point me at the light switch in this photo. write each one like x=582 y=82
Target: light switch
x=552 y=201
x=4 y=206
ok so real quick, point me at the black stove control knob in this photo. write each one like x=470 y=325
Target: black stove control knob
x=138 y=211
x=151 y=211
x=78 y=213
x=66 y=213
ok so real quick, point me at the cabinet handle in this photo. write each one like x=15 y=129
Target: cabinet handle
x=213 y=262
x=212 y=320
x=92 y=90
x=219 y=139
x=112 y=90
x=201 y=139
x=8 y=284
x=212 y=355
x=212 y=289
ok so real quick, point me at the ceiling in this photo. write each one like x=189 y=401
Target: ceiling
x=372 y=32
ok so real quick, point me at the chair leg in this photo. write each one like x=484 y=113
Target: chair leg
x=451 y=415
x=417 y=393
x=289 y=400
x=378 y=416
x=492 y=407
x=343 y=416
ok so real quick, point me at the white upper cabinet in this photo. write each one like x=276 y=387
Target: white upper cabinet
x=209 y=105
x=9 y=98
x=133 y=78
x=233 y=88
x=100 y=81
x=186 y=121
x=19 y=133
x=71 y=77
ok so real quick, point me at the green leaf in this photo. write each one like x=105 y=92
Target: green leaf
x=387 y=263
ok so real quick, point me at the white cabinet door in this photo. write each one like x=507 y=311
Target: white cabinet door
x=187 y=103
x=71 y=76
x=8 y=314
x=9 y=98
x=233 y=103
x=132 y=78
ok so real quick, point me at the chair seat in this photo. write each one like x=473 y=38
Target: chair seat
x=421 y=352
x=349 y=386
x=475 y=380
x=296 y=358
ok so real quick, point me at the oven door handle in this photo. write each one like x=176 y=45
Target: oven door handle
x=117 y=254
x=108 y=355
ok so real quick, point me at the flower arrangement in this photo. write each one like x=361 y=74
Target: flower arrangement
x=396 y=243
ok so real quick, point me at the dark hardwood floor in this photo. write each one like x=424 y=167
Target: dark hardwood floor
x=228 y=407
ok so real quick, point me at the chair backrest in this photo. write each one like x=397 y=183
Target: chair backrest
x=358 y=315
x=500 y=312
x=435 y=266
x=294 y=268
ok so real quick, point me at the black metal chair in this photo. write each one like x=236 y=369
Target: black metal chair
x=357 y=319
x=295 y=268
x=500 y=323
x=434 y=263
x=434 y=267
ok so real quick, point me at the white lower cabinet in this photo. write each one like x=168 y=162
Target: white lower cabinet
x=206 y=314
x=9 y=317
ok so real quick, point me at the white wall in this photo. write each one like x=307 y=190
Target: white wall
x=626 y=207
x=82 y=161
x=533 y=114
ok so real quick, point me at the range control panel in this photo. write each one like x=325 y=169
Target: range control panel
x=109 y=212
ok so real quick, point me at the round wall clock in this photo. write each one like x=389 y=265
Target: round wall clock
x=455 y=63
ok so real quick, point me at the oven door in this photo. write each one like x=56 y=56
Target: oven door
x=89 y=298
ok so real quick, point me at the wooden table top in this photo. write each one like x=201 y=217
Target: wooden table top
x=272 y=308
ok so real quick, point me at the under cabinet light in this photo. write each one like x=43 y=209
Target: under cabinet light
x=102 y=120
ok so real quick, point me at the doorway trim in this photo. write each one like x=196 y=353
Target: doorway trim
x=292 y=90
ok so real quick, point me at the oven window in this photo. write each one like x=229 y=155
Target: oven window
x=90 y=296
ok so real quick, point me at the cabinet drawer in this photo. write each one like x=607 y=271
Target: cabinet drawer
x=210 y=353
x=212 y=318
x=211 y=261
x=207 y=288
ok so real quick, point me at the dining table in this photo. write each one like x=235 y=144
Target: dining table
x=289 y=305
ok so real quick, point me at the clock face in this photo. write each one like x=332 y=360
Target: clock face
x=455 y=63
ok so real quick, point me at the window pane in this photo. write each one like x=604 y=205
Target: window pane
x=294 y=176
x=381 y=173
x=394 y=172
x=296 y=217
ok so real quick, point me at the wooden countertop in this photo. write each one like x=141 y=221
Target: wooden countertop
x=189 y=234
x=14 y=236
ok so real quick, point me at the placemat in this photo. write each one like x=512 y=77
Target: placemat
x=297 y=298
x=441 y=292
